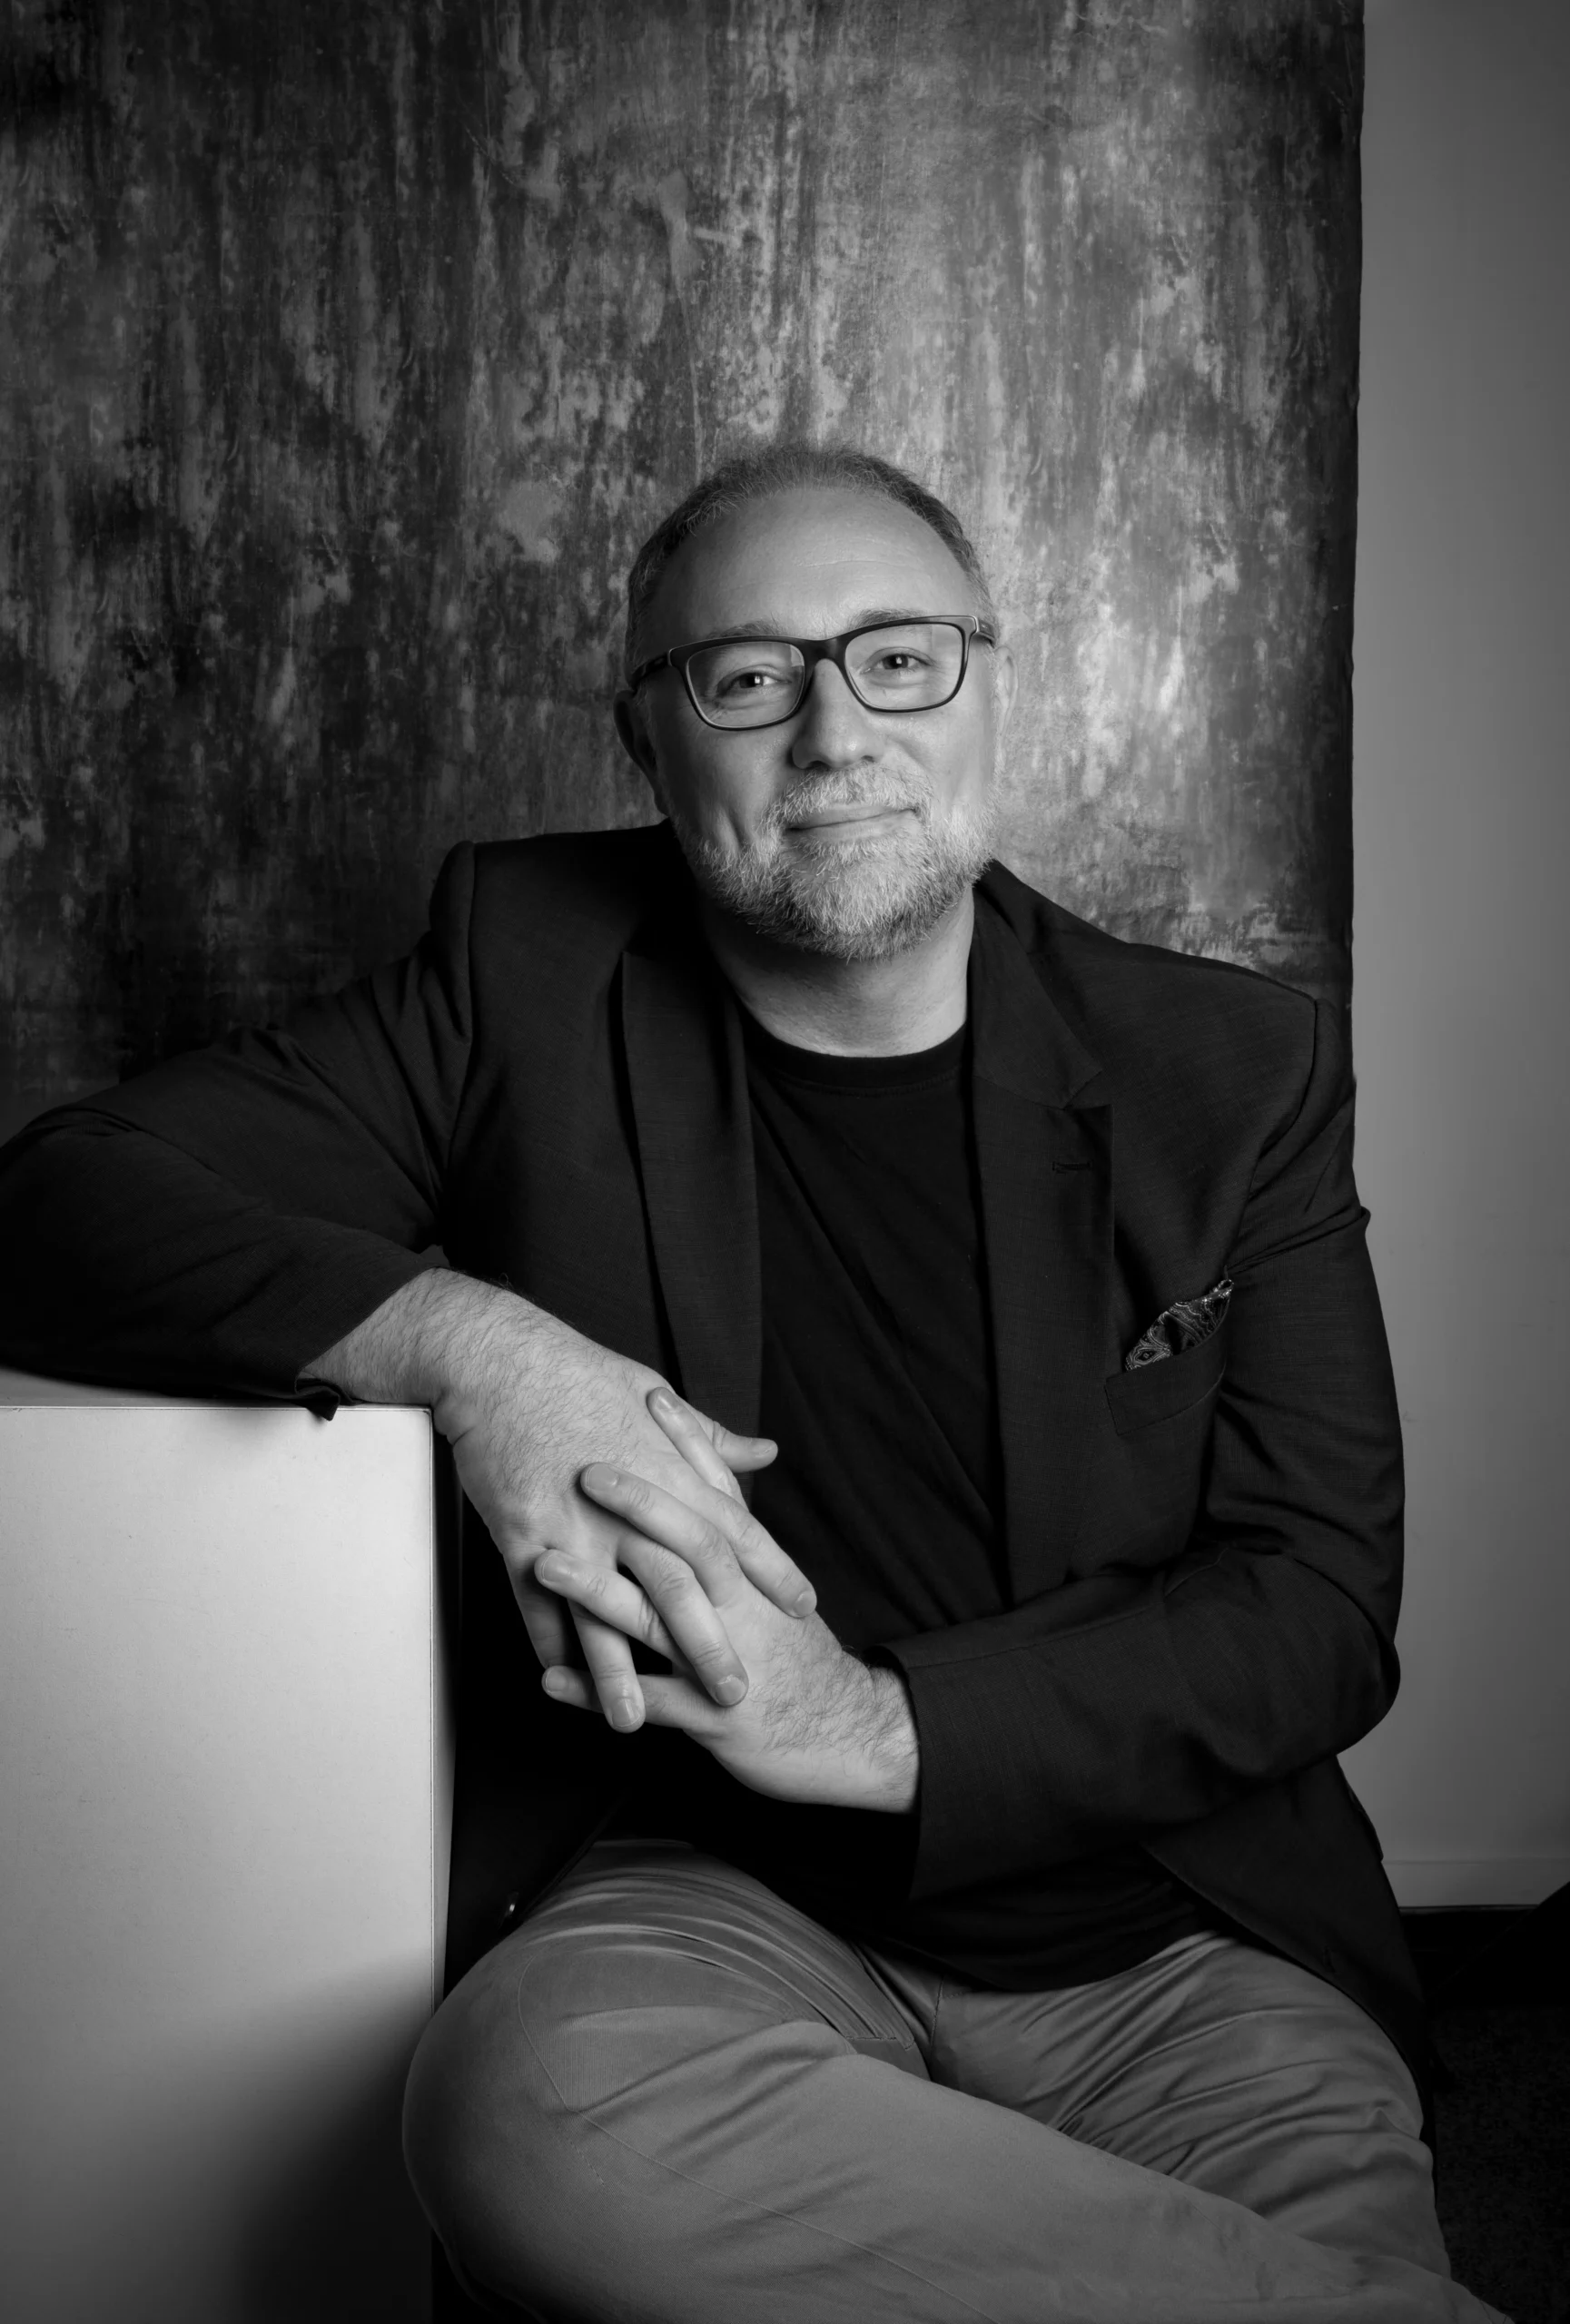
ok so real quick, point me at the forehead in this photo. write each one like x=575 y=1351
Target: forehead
x=807 y=563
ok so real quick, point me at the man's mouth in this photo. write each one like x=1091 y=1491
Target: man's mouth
x=853 y=817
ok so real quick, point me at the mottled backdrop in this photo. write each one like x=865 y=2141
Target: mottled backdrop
x=348 y=349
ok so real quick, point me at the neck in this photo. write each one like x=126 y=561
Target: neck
x=912 y=1000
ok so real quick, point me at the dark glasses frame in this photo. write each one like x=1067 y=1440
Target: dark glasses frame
x=813 y=650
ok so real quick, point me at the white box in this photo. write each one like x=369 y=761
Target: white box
x=224 y=1798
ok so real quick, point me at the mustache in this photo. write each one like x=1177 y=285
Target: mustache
x=805 y=800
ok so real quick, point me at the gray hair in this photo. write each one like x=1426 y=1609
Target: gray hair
x=790 y=466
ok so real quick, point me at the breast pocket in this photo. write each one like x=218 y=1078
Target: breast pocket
x=1170 y=1390
x=1150 y=1467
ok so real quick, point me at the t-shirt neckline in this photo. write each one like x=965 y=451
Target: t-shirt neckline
x=824 y=1069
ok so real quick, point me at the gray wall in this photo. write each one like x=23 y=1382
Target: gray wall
x=349 y=349
x=1463 y=857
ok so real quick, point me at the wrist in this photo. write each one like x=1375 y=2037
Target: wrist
x=474 y=1339
x=895 y=1753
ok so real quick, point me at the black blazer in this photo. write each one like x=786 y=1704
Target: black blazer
x=1205 y=1552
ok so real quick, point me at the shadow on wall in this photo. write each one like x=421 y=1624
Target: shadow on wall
x=353 y=350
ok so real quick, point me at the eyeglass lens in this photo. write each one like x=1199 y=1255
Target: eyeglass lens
x=756 y=680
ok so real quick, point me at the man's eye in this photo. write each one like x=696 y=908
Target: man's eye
x=756 y=680
x=898 y=663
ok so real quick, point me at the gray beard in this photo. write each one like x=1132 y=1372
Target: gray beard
x=850 y=899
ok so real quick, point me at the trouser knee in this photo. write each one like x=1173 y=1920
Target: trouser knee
x=480 y=2149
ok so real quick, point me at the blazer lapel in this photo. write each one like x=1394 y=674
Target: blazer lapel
x=1044 y=1156
x=688 y=1074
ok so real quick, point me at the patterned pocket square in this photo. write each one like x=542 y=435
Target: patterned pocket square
x=1182 y=1325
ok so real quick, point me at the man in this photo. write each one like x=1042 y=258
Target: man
x=956 y=1910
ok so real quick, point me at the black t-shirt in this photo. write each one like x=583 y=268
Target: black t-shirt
x=879 y=1385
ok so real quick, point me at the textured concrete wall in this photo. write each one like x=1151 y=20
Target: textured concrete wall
x=348 y=349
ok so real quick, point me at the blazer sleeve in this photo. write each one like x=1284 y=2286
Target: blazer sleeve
x=1115 y=1707
x=220 y=1220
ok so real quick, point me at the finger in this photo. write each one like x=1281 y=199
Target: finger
x=610 y=1597
x=678 y=1702
x=693 y=1437
x=670 y=1702
x=664 y=1608
x=616 y=1682
x=764 y=1563
x=650 y=1512
x=716 y=1452
x=624 y=1604
x=545 y=1618
x=741 y=1454
x=752 y=1546
x=563 y=1684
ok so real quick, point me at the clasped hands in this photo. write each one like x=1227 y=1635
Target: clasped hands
x=756 y=1677
x=618 y=1513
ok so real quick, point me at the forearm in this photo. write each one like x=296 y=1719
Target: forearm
x=1152 y=1708
x=216 y=1221
x=130 y=1261
x=445 y=1339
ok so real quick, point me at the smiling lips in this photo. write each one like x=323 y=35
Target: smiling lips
x=849 y=814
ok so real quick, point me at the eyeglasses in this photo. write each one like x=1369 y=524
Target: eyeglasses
x=890 y=665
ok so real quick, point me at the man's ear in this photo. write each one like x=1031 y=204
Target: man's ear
x=1005 y=686
x=632 y=728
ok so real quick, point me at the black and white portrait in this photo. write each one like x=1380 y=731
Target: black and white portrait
x=783 y=810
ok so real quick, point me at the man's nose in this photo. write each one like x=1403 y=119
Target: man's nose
x=836 y=729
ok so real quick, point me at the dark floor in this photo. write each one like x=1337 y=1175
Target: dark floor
x=1498 y=1987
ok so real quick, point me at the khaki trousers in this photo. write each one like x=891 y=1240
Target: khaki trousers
x=670 y=2098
